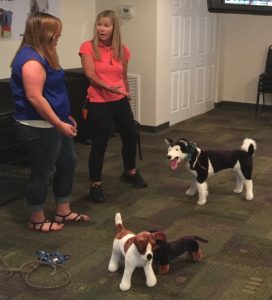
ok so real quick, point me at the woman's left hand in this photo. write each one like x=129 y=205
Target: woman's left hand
x=116 y=89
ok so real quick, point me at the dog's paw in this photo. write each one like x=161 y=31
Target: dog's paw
x=190 y=192
x=112 y=267
x=249 y=196
x=197 y=256
x=238 y=189
x=201 y=201
x=124 y=286
x=151 y=281
x=164 y=269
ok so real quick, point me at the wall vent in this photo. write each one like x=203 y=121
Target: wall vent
x=134 y=87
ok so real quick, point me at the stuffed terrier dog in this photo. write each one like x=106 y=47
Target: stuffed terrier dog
x=137 y=251
x=166 y=251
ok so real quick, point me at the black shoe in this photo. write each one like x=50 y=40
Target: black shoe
x=96 y=194
x=136 y=179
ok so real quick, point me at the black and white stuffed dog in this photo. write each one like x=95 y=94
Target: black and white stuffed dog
x=204 y=163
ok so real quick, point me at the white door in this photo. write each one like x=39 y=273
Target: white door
x=193 y=59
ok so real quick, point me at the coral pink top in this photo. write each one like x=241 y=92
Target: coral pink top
x=107 y=69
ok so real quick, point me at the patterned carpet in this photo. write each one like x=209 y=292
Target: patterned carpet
x=237 y=260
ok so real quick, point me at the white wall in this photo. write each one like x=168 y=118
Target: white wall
x=243 y=42
x=78 y=18
x=77 y=27
x=163 y=67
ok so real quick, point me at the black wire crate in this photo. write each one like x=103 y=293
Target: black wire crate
x=14 y=165
x=14 y=177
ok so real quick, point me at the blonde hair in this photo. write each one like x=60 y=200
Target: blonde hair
x=117 y=46
x=40 y=33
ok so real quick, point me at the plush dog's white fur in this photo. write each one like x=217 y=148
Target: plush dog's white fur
x=204 y=163
x=137 y=251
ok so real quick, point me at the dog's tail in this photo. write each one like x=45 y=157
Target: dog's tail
x=200 y=239
x=118 y=222
x=249 y=146
x=194 y=237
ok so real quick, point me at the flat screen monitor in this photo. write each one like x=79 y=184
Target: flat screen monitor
x=255 y=7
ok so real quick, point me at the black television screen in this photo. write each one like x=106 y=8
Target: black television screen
x=255 y=7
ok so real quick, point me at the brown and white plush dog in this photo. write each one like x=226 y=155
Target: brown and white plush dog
x=204 y=163
x=137 y=251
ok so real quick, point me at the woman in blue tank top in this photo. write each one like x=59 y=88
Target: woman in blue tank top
x=43 y=121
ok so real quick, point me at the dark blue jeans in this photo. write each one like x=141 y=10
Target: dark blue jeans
x=51 y=155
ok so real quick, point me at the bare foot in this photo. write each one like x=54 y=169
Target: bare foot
x=44 y=226
x=71 y=217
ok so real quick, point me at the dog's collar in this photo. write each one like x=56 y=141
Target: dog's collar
x=191 y=151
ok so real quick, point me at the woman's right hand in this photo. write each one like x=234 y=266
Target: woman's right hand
x=67 y=129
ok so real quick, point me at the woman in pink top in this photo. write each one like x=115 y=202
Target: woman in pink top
x=105 y=62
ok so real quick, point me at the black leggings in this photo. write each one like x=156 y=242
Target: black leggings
x=101 y=117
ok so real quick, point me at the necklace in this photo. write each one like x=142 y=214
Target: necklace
x=108 y=52
x=110 y=58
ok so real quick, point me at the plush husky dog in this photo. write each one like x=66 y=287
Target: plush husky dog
x=204 y=163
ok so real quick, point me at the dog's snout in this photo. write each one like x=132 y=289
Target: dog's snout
x=149 y=256
x=168 y=156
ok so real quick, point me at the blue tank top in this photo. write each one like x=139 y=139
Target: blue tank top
x=54 y=90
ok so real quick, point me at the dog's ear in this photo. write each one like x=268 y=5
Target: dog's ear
x=159 y=236
x=184 y=141
x=140 y=245
x=169 y=142
x=184 y=145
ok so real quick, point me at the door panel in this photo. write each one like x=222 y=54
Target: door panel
x=193 y=59
x=185 y=89
x=175 y=79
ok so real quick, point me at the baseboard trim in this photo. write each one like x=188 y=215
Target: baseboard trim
x=233 y=104
x=223 y=103
x=154 y=129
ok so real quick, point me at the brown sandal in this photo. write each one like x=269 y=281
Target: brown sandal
x=38 y=226
x=76 y=219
